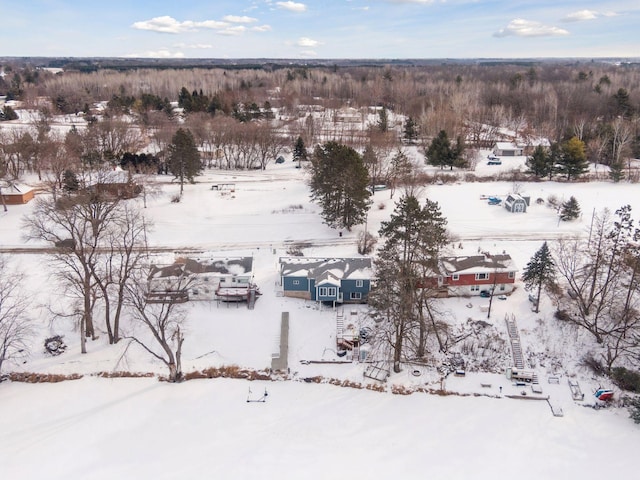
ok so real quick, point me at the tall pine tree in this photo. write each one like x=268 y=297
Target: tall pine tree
x=440 y=153
x=299 y=151
x=540 y=272
x=339 y=182
x=540 y=163
x=573 y=158
x=184 y=158
x=414 y=237
x=570 y=210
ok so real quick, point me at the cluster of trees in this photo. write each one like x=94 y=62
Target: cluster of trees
x=100 y=259
x=405 y=303
x=599 y=104
x=567 y=159
x=15 y=325
x=596 y=284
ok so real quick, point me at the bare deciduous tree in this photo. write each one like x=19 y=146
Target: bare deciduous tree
x=15 y=326
x=162 y=321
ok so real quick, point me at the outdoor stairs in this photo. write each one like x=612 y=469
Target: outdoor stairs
x=251 y=300
x=516 y=347
x=339 y=326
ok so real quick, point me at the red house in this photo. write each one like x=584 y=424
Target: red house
x=470 y=275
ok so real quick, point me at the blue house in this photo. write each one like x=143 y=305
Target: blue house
x=335 y=280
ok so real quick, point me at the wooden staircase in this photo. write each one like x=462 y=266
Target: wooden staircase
x=514 y=337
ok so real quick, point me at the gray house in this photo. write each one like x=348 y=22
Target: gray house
x=335 y=280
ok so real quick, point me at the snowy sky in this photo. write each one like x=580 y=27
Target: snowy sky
x=321 y=28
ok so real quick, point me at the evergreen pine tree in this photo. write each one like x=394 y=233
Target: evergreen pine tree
x=634 y=409
x=184 y=158
x=439 y=153
x=299 y=151
x=616 y=171
x=70 y=181
x=570 y=210
x=339 y=182
x=383 y=120
x=410 y=131
x=414 y=237
x=539 y=272
x=540 y=162
x=573 y=158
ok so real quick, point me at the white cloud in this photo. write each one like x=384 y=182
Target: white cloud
x=238 y=19
x=292 y=6
x=212 y=24
x=581 y=16
x=308 y=53
x=422 y=2
x=163 y=53
x=237 y=30
x=527 y=28
x=307 y=42
x=166 y=24
x=261 y=28
x=193 y=45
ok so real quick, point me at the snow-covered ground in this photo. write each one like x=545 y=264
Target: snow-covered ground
x=142 y=428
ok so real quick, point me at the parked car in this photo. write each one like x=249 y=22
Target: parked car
x=485 y=293
x=494 y=201
x=280 y=160
x=494 y=160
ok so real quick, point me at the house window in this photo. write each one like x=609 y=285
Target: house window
x=359 y=283
x=296 y=282
x=455 y=276
x=502 y=287
x=327 y=291
x=482 y=276
x=512 y=274
x=355 y=296
x=475 y=288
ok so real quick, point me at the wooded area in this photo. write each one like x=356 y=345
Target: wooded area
x=243 y=118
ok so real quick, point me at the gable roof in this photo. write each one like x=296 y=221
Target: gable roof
x=327 y=270
x=190 y=266
x=477 y=263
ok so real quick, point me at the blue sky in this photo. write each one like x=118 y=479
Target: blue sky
x=320 y=28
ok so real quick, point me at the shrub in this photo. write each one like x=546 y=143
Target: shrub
x=593 y=364
x=634 y=409
x=54 y=345
x=626 y=379
x=175 y=198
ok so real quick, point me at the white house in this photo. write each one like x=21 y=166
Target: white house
x=204 y=278
x=505 y=149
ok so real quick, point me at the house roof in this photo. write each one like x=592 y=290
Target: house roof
x=477 y=264
x=15 y=189
x=507 y=146
x=190 y=266
x=327 y=269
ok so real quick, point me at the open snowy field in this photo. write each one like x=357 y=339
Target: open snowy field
x=144 y=429
x=141 y=428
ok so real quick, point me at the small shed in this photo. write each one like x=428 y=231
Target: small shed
x=516 y=203
x=17 y=194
